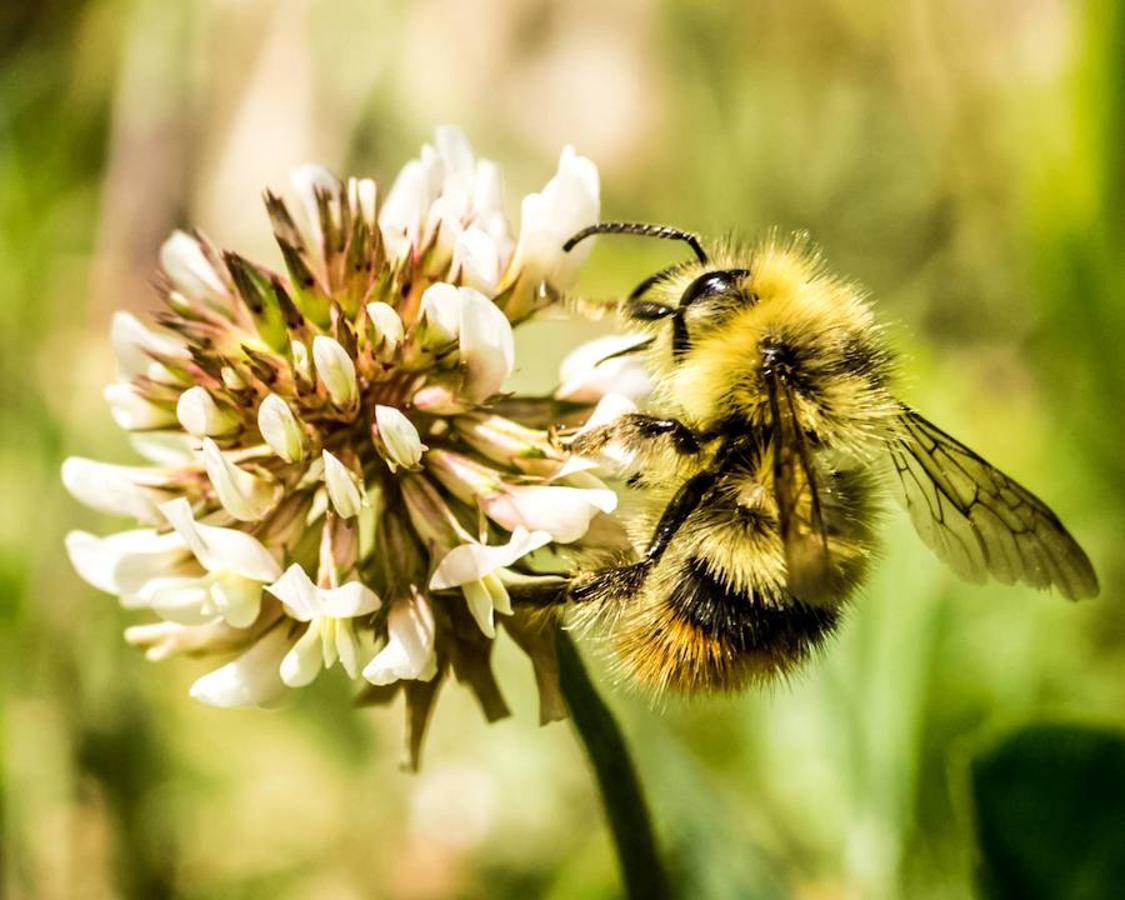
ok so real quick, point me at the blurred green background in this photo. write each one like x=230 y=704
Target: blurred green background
x=962 y=159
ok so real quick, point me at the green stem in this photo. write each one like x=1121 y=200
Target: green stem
x=622 y=796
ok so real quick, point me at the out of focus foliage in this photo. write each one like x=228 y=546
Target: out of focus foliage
x=963 y=160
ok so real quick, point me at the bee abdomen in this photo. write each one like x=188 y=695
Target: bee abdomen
x=705 y=635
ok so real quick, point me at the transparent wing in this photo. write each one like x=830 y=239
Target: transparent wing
x=800 y=517
x=977 y=520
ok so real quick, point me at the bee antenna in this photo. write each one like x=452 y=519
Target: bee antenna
x=666 y=232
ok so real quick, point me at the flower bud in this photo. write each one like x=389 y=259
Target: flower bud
x=440 y=319
x=201 y=416
x=343 y=487
x=336 y=371
x=280 y=429
x=191 y=272
x=387 y=328
x=400 y=444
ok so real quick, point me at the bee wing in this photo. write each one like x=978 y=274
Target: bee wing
x=797 y=492
x=976 y=519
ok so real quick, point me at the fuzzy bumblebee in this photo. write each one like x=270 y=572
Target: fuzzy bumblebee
x=758 y=466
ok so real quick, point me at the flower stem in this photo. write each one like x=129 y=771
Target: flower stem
x=625 y=806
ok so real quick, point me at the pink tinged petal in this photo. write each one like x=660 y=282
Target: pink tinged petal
x=201 y=416
x=409 y=652
x=298 y=594
x=592 y=370
x=238 y=600
x=133 y=345
x=117 y=490
x=252 y=679
x=336 y=371
x=343 y=491
x=133 y=412
x=487 y=346
x=400 y=438
x=184 y=262
x=245 y=496
x=465 y=478
x=563 y=512
x=304 y=661
x=280 y=429
x=471 y=562
x=476 y=260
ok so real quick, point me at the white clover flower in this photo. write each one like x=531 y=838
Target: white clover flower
x=346 y=419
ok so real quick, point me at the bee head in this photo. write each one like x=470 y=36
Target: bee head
x=704 y=303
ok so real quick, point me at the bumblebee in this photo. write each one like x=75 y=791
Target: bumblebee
x=771 y=432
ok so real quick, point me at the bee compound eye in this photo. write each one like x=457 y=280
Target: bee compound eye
x=710 y=284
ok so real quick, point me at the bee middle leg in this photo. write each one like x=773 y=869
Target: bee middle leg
x=619 y=583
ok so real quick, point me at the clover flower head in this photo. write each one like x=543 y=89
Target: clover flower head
x=335 y=477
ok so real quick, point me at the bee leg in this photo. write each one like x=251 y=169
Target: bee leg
x=622 y=583
x=682 y=505
x=633 y=431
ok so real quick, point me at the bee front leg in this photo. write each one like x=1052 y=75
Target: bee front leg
x=635 y=432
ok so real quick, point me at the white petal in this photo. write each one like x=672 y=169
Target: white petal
x=201 y=416
x=237 y=599
x=347 y=647
x=184 y=600
x=251 y=679
x=165 y=448
x=97 y=559
x=280 y=429
x=399 y=436
x=298 y=594
x=245 y=496
x=487 y=347
x=133 y=412
x=183 y=260
x=336 y=370
x=471 y=562
x=409 y=652
x=307 y=180
x=132 y=343
x=476 y=260
x=456 y=155
x=303 y=662
x=118 y=490
x=349 y=600
x=479 y=601
x=221 y=549
x=342 y=488
x=594 y=369
x=440 y=314
x=568 y=203
x=362 y=194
